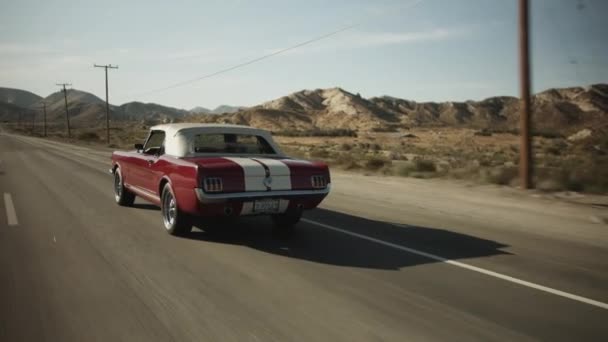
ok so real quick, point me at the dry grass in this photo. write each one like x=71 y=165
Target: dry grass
x=489 y=157
x=483 y=156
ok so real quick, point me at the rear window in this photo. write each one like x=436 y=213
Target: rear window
x=231 y=144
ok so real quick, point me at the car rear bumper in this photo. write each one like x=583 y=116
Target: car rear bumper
x=204 y=197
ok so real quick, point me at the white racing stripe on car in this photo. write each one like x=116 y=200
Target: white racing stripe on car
x=280 y=173
x=254 y=173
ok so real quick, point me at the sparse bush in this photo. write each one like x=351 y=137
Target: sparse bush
x=502 y=175
x=549 y=134
x=396 y=156
x=375 y=163
x=424 y=165
x=403 y=170
x=387 y=129
x=88 y=136
x=484 y=133
x=338 y=132
x=319 y=153
x=346 y=147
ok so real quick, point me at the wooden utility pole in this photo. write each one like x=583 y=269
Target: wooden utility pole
x=525 y=151
x=44 y=117
x=65 y=97
x=106 y=67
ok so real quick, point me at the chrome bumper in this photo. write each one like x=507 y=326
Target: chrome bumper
x=204 y=197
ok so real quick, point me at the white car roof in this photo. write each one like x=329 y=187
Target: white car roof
x=178 y=136
x=174 y=128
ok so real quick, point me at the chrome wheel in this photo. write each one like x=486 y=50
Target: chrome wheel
x=122 y=196
x=117 y=185
x=176 y=222
x=169 y=210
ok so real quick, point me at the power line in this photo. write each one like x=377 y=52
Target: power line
x=258 y=59
x=106 y=67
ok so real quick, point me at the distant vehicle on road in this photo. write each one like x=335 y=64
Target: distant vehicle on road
x=198 y=171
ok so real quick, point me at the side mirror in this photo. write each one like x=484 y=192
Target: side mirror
x=139 y=147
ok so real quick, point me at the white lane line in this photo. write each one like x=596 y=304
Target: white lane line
x=465 y=266
x=11 y=214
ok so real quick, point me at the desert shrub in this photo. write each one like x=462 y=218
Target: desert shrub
x=502 y=175
x=393 y=155
x=353 y=165
x=424 y=165
x=376 y=163
x=485 y=162
x=513 y=131
x=404 y=170
x=552 y=149
x=319 y=153
x=484 y=133
x=545 y=133
x=376 y=147
x=338 y=132
x=88 y=136
x=584 y=175
x=346 y=147
x=387 y=129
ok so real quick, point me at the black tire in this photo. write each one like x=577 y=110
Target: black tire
x=175 y=221
x=122 y=195
x=286 y=223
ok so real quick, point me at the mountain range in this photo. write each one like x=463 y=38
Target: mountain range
x=223 y=109
x=86 y=108
x=561 y=110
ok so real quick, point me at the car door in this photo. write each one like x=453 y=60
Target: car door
x=144 y=160
x=153 y=149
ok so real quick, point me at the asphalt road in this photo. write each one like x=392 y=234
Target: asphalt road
x=76 y=267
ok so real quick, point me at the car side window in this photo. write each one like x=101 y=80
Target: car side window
x=155 y=143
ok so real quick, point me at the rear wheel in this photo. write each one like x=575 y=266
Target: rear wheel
x=176 y=222
x=122 y=195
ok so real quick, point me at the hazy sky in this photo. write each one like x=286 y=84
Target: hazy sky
x=438 y=50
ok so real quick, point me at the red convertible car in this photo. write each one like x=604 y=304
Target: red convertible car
x=204 y=170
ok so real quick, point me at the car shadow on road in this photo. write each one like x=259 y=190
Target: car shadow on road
x=314 y=243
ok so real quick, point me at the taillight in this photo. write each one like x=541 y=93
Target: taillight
x=318 y=182
x=212 y=184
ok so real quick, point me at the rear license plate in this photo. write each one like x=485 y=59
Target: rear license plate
x=266 y=206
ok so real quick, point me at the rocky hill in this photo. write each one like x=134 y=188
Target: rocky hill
x=150 y=112
x=86 y=109
x=557 y=110
x=563 y=110
x=18 y=97
x=222 y=109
